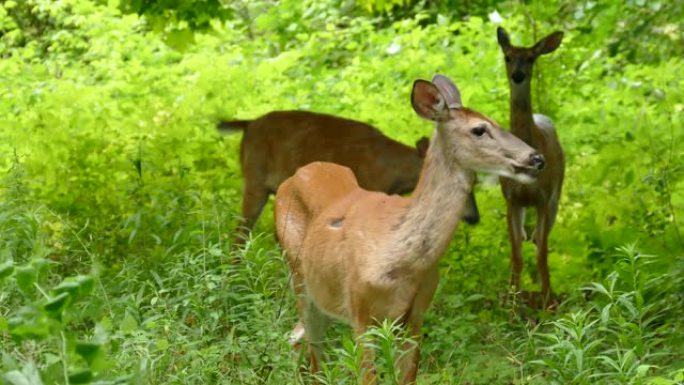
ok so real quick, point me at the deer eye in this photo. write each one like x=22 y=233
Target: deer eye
x=508 y=59
x=479 y=130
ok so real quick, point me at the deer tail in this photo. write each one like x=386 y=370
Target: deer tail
x=233 y=125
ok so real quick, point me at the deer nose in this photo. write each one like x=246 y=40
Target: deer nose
x=537 y=161
x=518 y=76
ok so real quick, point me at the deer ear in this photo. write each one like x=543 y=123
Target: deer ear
x=502 y=37
x=448 y=89
x=427 y=101
x=548 y=44
x=422 y=146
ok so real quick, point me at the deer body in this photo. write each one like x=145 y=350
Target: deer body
x=537 y=131
x=362 y=256
x=275 y=145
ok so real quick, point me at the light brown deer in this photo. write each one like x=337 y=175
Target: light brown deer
x=275 y=145
x=537 y=131
x=363 y=256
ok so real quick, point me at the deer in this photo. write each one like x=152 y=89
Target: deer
x=537 y=131
x=276 y=144
x=363 y=257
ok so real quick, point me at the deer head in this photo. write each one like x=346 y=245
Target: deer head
x=520 y=60
x=469 y=138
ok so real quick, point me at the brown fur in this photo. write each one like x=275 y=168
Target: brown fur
x=538 y=132
x=275 y=145
x=381 y=261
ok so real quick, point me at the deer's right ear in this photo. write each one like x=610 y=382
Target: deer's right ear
x=502 y=37
x=427 y=101
x=422 y=146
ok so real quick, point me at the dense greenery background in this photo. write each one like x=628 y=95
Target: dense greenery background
x=118 y=196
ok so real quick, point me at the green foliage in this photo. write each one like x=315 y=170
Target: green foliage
x=197 y=14
x=118 y=195
x=620 y=334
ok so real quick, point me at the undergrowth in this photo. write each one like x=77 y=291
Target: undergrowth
x=118 y=197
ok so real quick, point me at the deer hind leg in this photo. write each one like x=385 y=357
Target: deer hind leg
x=253 y=201
x=515 y=217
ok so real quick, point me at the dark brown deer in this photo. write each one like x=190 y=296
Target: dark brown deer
x=537 y=131
x=275 y=145
x=363 y=256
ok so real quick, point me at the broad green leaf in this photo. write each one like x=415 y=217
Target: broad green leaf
x=28 y=375
x=6 y=269
x=162 y=344
x=67 y=287
x=81 y=377
x=88 y=350
x=129 y=324
x=56 y=305
x=25 y=276
x=28 y=329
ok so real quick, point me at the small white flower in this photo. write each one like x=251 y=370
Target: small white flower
x=495 y=17
x=393 y=48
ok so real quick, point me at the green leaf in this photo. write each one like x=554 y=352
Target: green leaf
x=661 y=381
x=474 y=297
x=81 y=377
x=679 y=377
x=86 y=283
x=77 y=287
x=6 y=269
x=56 y=305
x=129 y=324
x=180 y=39
x=25 y=276
x=68 y=287
x=162 y=344
x=29 y=375
x=88 y=350
x=23 y=328
x=605 y=314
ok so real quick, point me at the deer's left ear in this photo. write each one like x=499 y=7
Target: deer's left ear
x=452 y=96
x=548 y=44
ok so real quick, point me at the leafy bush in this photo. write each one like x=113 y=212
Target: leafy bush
x=119 y=196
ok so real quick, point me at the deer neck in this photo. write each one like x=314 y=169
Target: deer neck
x=522 y=122
x=428 y=224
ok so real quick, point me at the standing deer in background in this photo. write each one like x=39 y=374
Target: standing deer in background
x=275 y=145
x=363 y=256
x=537 y=131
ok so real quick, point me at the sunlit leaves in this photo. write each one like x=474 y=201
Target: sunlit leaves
x=121 y=184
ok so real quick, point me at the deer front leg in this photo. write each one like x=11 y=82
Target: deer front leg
x=515 y=217
x=410 y=359
x=360 y=322
x=414 y=321
x=313 y=322
x=315 y=325
x=298 y=332
x=542 y=231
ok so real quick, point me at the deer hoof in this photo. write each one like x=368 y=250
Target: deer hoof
x=296 y=336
